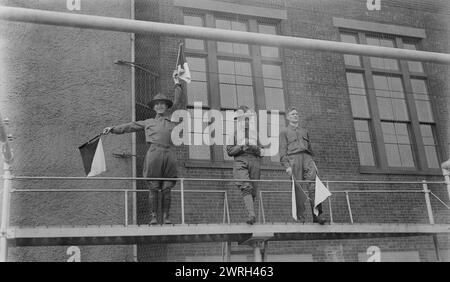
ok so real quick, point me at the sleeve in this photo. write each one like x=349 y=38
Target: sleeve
x=233 y=150
x=179 y=99
x=129 y=127
x=283 y=149
x=309 y=144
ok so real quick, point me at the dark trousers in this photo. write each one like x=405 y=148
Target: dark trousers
x=160 y=162
x=304 y=168
x=247 y=167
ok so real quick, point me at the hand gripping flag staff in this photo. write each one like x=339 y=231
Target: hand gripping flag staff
x=299 y=196
x=182 y=65
x=93 y=156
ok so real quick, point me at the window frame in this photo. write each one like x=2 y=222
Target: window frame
x=417 y=146
x=212 y=56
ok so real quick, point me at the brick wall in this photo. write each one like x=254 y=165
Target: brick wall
x=316 y=84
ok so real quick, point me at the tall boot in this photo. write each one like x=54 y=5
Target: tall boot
x=248 y=202
x=317 y=218
x=166 y=206
x=154 y=207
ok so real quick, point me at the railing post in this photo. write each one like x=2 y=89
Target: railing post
x=5 y=213
x=182 y=200
x=329 y=203
x=349 y=207
x=262 y=207
x=126 y=207
x=428 y=202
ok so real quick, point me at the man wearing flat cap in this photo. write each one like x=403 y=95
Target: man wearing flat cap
x=296 y=156
x=160 y=160
x=247 y=159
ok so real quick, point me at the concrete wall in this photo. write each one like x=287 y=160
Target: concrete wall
x=59 y=88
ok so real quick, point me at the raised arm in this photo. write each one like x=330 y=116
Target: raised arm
x=179 y=99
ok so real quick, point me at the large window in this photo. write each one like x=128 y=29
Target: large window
x=226 y=75
x=391 y=107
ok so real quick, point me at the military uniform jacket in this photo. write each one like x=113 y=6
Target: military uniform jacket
x=293 y=140
x=158 y=130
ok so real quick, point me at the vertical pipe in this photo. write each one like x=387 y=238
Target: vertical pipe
x=126 y=207
x=133 y=118
x=428 y=202
x=182 y=199
x=5 y=212
x=228 y=209
x=257 y=252
x=349 y=207
x=262 y=208
x=329 y=203
x=436 y=247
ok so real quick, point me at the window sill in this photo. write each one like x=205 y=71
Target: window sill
x=226 y=165
x=397 y=171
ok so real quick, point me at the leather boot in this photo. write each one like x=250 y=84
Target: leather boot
x=248 y=202
x=154 y=207
x=318 y=218
x=153 y=219
x=166 y=206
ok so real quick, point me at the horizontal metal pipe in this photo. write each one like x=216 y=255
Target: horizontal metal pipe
x=147 y=27
x=356 y=191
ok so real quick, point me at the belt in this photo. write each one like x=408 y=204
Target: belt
x=301 y=152
x=164 y=146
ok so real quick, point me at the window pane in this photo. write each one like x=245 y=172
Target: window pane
x=356 y=83
x=228 y=96
x=432 y=158
x=228 y=123
x=267 y=51
x=198 y=152
x=421 y=97
x=382 y=63
x=365 y=148
x=398 y=144
x=245 y=96
x=430 y=145
x=272 y=76
x=412 y=65
x=273 y=87
x=194 y=43
x=359 y=106
x=281 y=125
x=351 y=60
x=235 y=84
x=227 y=47
x=197 y=90
x=390 y=98
x=274 y=98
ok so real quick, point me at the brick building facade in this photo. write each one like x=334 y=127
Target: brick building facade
x=369 y=119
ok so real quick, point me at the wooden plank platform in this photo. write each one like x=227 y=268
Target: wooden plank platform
x=197 y=233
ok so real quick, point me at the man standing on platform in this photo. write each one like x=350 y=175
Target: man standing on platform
x=296 y=156
x=160 y=160
x=247 y=160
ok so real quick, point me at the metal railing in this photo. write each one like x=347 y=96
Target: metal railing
x=226 y=209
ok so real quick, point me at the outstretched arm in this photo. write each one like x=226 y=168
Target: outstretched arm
x=126 y=127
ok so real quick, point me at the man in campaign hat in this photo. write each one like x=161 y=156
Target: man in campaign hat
x=160 y=160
